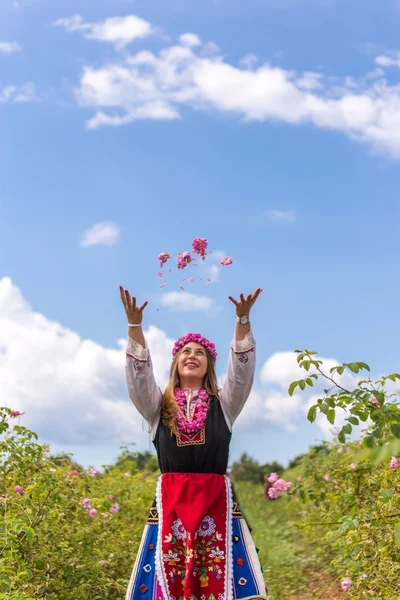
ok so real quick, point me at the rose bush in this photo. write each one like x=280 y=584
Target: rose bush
x=65 y=533
x=350 y=490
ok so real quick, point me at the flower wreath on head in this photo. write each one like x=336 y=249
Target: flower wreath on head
x=199 y=339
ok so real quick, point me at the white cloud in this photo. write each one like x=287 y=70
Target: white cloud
x=119 y=31
x=104 y=234
x=187 y=302
x=18 y=94
x=388 y=61
x=280 y=215
x=158 y=86
x=9 y=47
x=191 y=40
x=73 y=390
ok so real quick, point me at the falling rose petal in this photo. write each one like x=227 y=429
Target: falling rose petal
x=226 y=262
x=190 y=280
x=157 y=309
x=163 y=284
x=169 y=270
x=160 y=274
x=208 y=279
x=182 y=288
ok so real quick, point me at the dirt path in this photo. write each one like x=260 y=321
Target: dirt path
x=322 y=587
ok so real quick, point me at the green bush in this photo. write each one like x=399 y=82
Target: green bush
x=351 y=491
x=52 y=547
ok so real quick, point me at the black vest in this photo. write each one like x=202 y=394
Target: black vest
x=209 y=457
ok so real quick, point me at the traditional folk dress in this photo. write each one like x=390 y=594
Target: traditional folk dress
x=196 y=544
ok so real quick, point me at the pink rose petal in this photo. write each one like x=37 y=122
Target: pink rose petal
x=181 y=287
x=163 y=284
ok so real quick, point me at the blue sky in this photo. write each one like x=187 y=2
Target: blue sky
x=272 y=130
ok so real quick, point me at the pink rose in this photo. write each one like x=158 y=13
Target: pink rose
x=19 y=489
x=273 y=493
x=352 y=467
x=86 y=503
x=280 y=484
x=163 y=257
x=287 y=486
x=74 y=473
x=52 y=470
x=327 y=477
x=199 y=246
x=15 y=413
x=92 y=512
x=273 y=477
x=115 y=508
x=375 y=402
x=346 y=583
x=394 y=463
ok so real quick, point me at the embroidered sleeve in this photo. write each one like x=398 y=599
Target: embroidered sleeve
x=239 y=378
x=135 y=350
x=142 y=387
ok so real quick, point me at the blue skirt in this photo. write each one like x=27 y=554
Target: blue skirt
x=248 y=582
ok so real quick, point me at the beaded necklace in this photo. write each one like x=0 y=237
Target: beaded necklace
x=200 y=413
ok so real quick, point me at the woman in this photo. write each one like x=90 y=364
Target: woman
x=196 y=544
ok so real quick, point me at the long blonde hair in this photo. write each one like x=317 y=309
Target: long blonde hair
x=169 y=404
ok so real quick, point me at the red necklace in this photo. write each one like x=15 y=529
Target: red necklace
x=200 y=413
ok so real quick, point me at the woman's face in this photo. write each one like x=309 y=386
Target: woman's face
x=192 y=365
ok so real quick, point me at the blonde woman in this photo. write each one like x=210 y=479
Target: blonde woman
x=196 y=544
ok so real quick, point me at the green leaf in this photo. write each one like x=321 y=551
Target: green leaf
x=353 y=420
x=395 y=429
x=342 y=437
x=306 y=365
x=340 y=370
x=312 y=414
x=309 y=381
x=353 y=367
x=386 y=495
x=347 y=428
x=370 y=441
x=302 y=384
x=292 y=387
x=331 y=416
x=397 y=534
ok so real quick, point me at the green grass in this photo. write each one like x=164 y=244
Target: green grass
x=285 y=554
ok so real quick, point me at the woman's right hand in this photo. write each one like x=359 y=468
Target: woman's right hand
x=134 y=313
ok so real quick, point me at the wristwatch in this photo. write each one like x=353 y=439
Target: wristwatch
x=243 y=320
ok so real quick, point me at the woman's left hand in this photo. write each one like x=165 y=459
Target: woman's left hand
x=243 y=307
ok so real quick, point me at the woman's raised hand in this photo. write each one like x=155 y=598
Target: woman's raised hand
x=134 y=313
x=244 y=305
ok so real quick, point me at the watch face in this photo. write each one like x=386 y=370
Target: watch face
x=244 y=320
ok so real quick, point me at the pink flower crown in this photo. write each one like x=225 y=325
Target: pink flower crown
x=199 y=339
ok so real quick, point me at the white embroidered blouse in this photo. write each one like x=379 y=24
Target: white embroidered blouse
x=146 y=396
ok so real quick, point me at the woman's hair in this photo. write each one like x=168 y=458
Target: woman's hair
x=169 y=404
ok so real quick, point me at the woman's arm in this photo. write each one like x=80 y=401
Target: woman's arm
x=242 y=362
x=142 y=387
